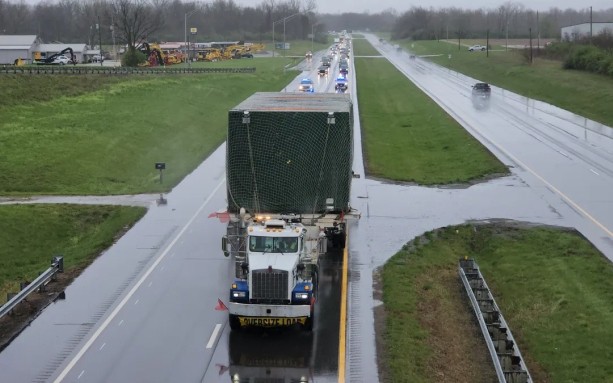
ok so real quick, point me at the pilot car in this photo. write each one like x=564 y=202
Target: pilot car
x=306 y=85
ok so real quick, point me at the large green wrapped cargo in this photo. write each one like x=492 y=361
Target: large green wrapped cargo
x=290 y=153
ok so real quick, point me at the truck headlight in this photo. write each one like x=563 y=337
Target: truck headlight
x=239 y=294
x=301 y=296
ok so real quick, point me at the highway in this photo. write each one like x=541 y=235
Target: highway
x=145 y=310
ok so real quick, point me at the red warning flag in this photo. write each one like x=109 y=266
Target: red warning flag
x=222 y=368
x=221 y=306
x=224 y=216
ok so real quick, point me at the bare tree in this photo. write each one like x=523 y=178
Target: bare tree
x=136 y=20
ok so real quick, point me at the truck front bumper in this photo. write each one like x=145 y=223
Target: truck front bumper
x=269 y=315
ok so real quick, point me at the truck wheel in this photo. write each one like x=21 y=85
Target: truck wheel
x=308 y=325
x=235 y=323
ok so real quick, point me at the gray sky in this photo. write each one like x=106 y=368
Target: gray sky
x=374 y=6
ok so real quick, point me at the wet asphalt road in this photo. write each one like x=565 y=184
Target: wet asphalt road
x=560 y=167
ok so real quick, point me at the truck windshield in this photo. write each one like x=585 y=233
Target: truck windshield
x=273 y=244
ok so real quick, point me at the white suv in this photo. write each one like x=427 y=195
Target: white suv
x=62 y=60
x=477 y=48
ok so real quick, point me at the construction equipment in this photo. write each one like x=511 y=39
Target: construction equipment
x=209 y=54
x=56 y=59
x=158 y=57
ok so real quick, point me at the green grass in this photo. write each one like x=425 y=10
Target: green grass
x=364 y=48
x=299 y=47
x=583 y=93
x=554 y=289
x=407 y=137
x=107 y=141
x=32 y=234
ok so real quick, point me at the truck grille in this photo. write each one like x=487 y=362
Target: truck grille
x=269 y=286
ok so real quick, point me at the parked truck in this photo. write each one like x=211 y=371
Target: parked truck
x=288 y=164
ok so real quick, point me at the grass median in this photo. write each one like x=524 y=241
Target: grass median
x=407 y=137
x=583 y=93
x=32 y=234
x=554 y=289
x=361 y=47
x=107 y=141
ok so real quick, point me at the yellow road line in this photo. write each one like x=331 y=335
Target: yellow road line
x=343 y=320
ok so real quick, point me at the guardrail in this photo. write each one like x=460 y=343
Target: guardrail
x=508 y=362
x=77 y=70
x=57 y=266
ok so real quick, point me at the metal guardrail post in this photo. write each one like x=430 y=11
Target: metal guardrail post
x=57 y=266
x=506 y=357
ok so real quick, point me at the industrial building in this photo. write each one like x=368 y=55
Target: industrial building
x=573 y=32
x=30 y=47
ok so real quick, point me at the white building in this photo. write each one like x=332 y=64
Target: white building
x=13 y=47
x=30 y=48
x=572 y=32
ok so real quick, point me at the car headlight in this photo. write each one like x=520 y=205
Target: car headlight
x=301 y=296
x=239 y=294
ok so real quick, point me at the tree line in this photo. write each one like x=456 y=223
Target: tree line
x=132 y=21
x=510 y=19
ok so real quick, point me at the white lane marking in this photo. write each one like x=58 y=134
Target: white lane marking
x=101 y=347
x=150 y=283
x=125 y=300
x=214 y=335
x=81 y=374
x=120 y=322
x=136 y=302
x=594 y=171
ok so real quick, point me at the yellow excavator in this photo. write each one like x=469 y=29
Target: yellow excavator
x=209 y=54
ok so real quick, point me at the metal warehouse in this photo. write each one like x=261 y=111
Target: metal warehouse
x=572 y=32
x=13 y=47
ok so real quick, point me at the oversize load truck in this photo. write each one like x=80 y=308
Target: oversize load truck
x=289 y=174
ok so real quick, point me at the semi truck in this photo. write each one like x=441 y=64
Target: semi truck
x=288 y=168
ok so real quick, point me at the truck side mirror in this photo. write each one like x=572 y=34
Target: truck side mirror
x=224 y=245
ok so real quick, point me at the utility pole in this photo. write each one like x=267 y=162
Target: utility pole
x=507 y=46
x=530 y=31
x=458 y=39
x=590 y=24
x=487 y=44
x=113 y=37
x=100 y=38
x=538 y=34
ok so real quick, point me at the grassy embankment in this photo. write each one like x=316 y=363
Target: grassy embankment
x=102 y=135
x=407 y=137
x=554 y=288
x=118 y=131
x=583 y=93
x=32 y=234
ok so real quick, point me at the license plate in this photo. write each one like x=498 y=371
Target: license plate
x=270 y=321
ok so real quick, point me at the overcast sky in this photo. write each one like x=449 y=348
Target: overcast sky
x=375 y=6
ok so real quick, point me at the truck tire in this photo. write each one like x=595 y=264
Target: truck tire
x=235 y=323
x=308 y=325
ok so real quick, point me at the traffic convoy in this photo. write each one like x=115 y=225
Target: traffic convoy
x=340 y=49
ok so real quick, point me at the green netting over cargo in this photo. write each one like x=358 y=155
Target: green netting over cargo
x=290 y=153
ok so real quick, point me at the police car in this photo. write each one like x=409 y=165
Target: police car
x=341 y=84
x=306 y=85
